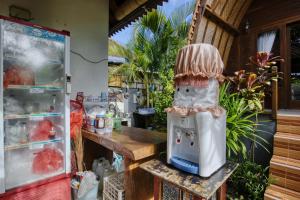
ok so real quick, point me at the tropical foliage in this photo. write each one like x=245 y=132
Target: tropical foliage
x=242 y=96
x=253 y=86
x=239 y=122
x=248 y=182
x=152 y=53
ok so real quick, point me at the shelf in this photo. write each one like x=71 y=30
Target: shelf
x=16 y=59
x=35 y=88
x=34 y=116
x=32 y=145
x=101 y=103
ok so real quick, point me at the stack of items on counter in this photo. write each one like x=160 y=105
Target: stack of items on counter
x=98 y=118
x=98 y=121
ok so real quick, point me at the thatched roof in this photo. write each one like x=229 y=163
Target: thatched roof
x=123 y=12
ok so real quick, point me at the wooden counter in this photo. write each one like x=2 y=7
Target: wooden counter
x=137 y=146
x=133 y=143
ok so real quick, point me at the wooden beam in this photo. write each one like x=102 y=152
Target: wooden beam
x=209 y=14
x=274 y=95
x=117 y=26
x=197 y=16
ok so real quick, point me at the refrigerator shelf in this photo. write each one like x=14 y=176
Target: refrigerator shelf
x=13 y=58
x=32 y=145
x=32 y=116
x=35 y=88
x=10 y=184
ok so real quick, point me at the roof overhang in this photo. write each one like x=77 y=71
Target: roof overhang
x=123 y=12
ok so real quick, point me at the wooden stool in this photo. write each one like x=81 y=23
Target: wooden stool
x=171 y=183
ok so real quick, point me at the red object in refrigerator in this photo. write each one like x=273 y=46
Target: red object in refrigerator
x=47 y=161
x=42 y=131
x=16 y=75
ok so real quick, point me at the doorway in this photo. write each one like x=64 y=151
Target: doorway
x=293 y=66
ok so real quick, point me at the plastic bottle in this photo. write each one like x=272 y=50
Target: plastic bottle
x=99 y=124
x=108 y=123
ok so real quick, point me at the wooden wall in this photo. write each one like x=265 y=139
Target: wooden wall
x=220 y=23
x=264 y=16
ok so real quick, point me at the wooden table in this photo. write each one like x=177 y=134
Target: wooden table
x=137 y=146
x=176 y=184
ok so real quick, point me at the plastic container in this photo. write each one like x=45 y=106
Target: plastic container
x=108 y=123
x=91 y=124
x=113 y=187
x=117 y=123
x=91 y=195
x=88 y=188
x=146 y=111
x=91 y=121
x=99 y=131
x=99 y=121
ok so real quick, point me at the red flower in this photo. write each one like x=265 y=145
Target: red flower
x=261 y=59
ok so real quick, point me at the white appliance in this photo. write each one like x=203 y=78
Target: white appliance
x=196 y=123
x=34 y=104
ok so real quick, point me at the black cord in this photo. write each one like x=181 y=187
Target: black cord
x=88 y=60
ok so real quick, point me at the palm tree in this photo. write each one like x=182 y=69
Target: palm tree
x=152 y=51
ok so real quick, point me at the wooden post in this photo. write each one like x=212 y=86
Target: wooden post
x=274 y=95
x=221 y=193
x=198 y=198
x=157 y=188
x=137 y=182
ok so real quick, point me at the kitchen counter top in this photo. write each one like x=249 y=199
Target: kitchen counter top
x=133 y=143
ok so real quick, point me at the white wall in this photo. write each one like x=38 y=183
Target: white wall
x=87 y=20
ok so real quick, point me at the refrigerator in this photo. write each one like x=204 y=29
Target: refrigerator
x=34 y=105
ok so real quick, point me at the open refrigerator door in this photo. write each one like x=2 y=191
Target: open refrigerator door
x=35 y=105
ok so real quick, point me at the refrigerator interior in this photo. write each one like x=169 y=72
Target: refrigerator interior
x=35 y=162
x=33 y=104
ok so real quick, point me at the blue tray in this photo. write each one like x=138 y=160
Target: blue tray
x=185 y=165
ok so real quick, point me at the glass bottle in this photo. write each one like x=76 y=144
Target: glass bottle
x=53 y=103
